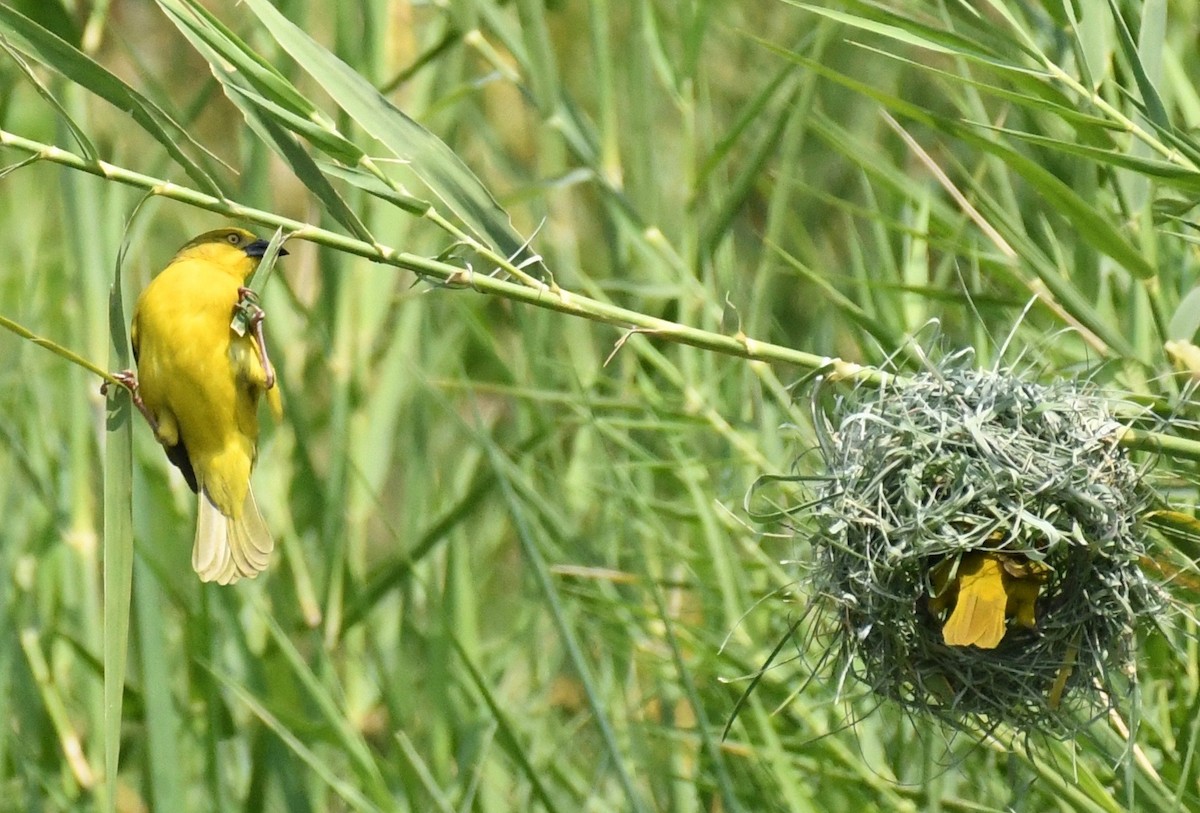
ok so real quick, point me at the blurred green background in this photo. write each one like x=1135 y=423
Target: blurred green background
x=516 y=569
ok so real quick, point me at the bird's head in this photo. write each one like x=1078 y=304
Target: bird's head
x=233 y=248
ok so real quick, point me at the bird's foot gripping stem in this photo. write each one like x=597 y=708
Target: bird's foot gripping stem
x=128 y=380
x=254 y=316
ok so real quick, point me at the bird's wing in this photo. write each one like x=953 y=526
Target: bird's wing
x=178 y=454
x=133 y=335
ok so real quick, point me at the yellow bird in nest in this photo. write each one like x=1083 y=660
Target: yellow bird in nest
x=199 y=384
x=988 y=588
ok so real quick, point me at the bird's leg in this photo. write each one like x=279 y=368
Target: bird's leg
x=128 y=380
x=248 y=299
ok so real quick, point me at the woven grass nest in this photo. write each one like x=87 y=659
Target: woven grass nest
x=924 y=482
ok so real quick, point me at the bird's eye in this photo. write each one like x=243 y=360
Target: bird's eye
x=233 y=238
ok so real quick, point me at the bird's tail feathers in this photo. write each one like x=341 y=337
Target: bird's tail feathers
x=249 y=539
x=226 y=549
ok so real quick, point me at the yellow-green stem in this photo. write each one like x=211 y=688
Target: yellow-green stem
x=550 y=296
x=543 y=296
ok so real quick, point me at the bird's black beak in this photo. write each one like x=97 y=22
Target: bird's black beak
x=259 y=248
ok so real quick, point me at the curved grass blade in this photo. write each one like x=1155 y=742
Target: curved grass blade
x=85 y=144
x=570 y=642
x=914 y=33
x=1091 y=225
x=1154 y=17
x=199 y=24
x=303 y=167
x=321 y=136
x=257 y=81
x=78 y=67
x=427 y=156
x=320 y=767
x=373 y=186
x=1174 y=175
x=366 y=768
x=213 y=40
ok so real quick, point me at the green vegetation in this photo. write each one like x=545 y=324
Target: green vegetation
x=517 y=568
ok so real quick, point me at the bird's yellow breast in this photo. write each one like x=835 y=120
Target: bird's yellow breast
x=189 y=367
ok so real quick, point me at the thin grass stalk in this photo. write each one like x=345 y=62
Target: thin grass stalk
x=69 y=740
x=569 y=640
x=549 y=297
x=350 y=794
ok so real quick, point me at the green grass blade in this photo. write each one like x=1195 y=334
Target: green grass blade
x=373 y=186
x=320 y=134
x=118 y=538
x=69 y=741
x=77 y=133
x=1174 y=175
x=269 y=102
x=725 y=784
x=1092 y=225
x=875 y=19
x=508 y=736
x=421 y=769
x=79 y=67
x=1154 y=13
x=199 y=24
x=426 y=155
x=538 y=59
x=366 y=768
x=320 y=768
x=164 y=727
x=569 y=641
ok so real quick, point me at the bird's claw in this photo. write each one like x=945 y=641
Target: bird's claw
x=128 y=380
x=248 y=300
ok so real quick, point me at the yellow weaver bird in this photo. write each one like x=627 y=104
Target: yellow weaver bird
x=989 y=588
x=199 y=383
